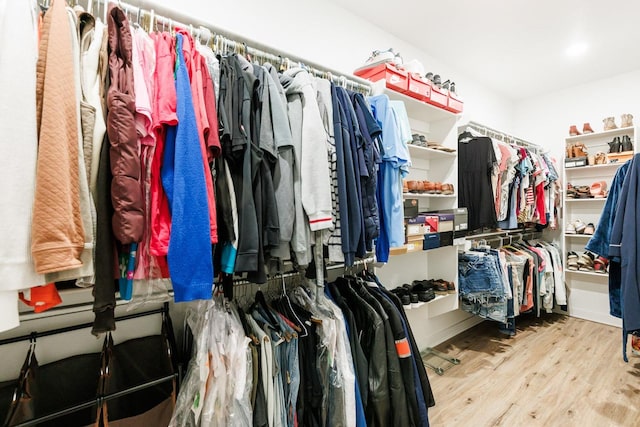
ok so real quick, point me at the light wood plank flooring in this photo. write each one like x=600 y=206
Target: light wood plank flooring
x=558 y=371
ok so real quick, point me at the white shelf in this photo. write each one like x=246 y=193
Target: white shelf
x=594 y=168
x=578 y=236
x=420 y=110
x=601 y=135
x=587 y=273
x=421 y=303
x=427 y=196
x=590 y=199
x=427 y=153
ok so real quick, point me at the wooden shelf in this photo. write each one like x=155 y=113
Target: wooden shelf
x=421 y=110
x=427 y=153
x=587 y=273
x=601 y=135
x=427 y=196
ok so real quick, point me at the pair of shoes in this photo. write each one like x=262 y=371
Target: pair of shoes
x=447 y=189
x=576 y=150
x=620 y=146
x=601 y=158
x=404 y=295
x=382 y=57
x=584 y=261
x=626 y=120
x=575 y=227
x=586 y=128
x=598 y=189
x=419 y=140
x=600 y=265
x=424 y=291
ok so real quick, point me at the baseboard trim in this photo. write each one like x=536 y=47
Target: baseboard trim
x=595 y=316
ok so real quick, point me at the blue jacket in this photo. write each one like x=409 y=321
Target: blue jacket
x=189 y=256
x=625 y=246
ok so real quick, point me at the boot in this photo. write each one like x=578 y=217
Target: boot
x=573 y=131
x=586 y=128
x=626 y=120
x=609 y=123
x=614 y=146
x=627 y=145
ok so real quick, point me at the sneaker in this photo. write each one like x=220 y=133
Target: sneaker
x=380 y=57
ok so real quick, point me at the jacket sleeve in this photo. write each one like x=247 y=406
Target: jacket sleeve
x=316 y=182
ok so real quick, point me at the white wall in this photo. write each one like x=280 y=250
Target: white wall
x=545 y=119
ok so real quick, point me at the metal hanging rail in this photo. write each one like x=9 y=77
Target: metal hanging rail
x=156 y=16
x=501 y=136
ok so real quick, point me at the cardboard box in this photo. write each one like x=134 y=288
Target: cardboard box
x=575 y=162
x=431 y=241
x=446 y=238
x=431 y=224
x=415 y=238
x=410 y=208
x=445 y=222
x=415 y=230
x=415 y=246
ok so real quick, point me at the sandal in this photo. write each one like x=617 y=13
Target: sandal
x=597 y=188
x=579 y=226
x=585 y=261
x=571 y=229
x=600 y=265
x=590 y=229
x=579 y=150
x=572 y=261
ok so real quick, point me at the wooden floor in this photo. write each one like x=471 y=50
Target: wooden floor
x=560 y=371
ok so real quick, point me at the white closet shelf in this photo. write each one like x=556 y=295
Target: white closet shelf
x=579 y=236
x=587 y=273
x=594 y=167
x=427 y=153
x=427 y=196
x=600 y=135
x=421 y=110
x=421 y=303
x=590 y=199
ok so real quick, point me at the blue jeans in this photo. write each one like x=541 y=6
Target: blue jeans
x=480 y=274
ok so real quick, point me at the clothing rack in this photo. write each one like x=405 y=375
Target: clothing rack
x=35 y=335
x=97 y=401
x=151 y=15
x=506 y=237
x=501 y=136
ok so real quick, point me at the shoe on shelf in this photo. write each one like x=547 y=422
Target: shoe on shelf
x=569 y=153
x=586 y=128
x=615 y=145
x=573 y=131
x=579 y=150
x=591 y=160
x=579 y=226
x=402 y=294
x=600 y=265
x=437 y=81
x=597 y=188
x=571 y=192
x=423 y=289
x=590 y=229
x=609 y=123
x=626 y=144
x=601 y=158
x=586 y=261
x=447 y=189
x=452 y=88
x=570 y=229
x=381 y=57
x=626 y=120
x=572 y=261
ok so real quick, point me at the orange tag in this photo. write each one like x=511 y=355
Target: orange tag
x=403 y=349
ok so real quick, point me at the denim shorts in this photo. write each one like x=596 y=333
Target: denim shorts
x=480 y=274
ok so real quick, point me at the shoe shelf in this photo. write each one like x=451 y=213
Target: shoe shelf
x=577 y=236
x=428 y=196
x=427 y=153
x=601 y=135
x=594 y=168
x=589 y=199
x=420 y=304
x=421 y=110
x=587 y=273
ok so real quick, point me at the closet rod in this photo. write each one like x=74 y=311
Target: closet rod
x=486 y=130
x=96 y=402
x=204 y=30
x=36 y=335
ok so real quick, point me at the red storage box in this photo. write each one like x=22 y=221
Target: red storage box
x=454 y=104
x=439 y=99
x=397 y=80
x=419 y=89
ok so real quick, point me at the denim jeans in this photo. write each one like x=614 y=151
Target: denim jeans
x=480 y=274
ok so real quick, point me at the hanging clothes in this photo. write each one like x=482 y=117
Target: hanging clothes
x=476 y=158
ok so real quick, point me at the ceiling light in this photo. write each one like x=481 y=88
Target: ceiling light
x=577 y=49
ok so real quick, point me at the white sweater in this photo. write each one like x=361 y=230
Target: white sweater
x=19 y=147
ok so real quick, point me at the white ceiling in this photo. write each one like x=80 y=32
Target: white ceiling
x=516 y=47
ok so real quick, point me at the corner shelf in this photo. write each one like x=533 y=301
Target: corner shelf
x=601 y=135
x=416 y=108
